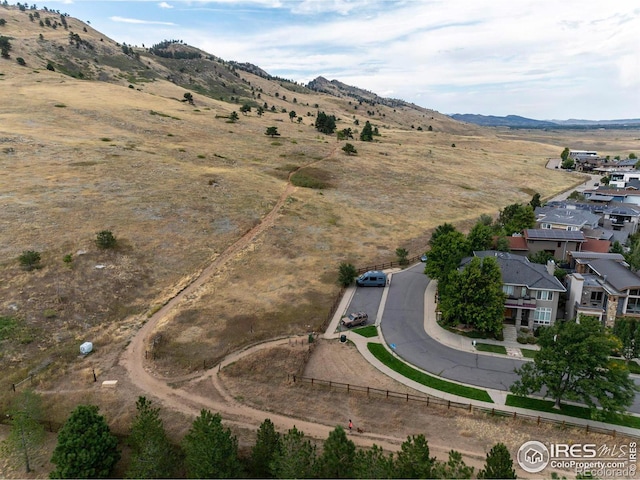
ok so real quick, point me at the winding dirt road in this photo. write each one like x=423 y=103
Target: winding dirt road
x=179 y=399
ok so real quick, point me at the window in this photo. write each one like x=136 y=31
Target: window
x=573 y=229
x=633 y=305
x=545 y=226
x=542 y=316
x=544 y=295
x=596 y=297
x=634 y=293
x=508 y=289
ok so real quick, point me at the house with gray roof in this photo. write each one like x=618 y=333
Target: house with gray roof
x=531 y=288
x=603 y=286
x=550 y=218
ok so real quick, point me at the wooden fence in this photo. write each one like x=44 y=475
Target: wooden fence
x=431 y=400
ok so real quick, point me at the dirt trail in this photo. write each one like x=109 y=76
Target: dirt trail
x=133 y=358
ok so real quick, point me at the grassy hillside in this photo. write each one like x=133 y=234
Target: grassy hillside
x=118 y=149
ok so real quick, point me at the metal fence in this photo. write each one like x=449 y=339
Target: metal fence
x=429 y=400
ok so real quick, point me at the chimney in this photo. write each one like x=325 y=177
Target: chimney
x=551 y=267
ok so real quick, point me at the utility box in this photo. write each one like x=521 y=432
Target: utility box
x=86 y=348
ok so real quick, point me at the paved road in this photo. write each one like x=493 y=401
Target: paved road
x=403 y=325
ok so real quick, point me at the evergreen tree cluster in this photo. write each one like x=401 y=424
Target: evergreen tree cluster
x=161 y=49
x=325 y=123
x=87 y=449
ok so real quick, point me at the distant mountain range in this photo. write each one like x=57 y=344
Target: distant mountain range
x=515 y=121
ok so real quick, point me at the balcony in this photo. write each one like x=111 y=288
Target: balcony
x=525 y=303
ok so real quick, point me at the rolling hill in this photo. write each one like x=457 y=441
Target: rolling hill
x=96 y=135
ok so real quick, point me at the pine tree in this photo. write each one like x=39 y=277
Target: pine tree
x=26 y=437
x=367 y=132
x=210 y=450
x=413 y=459
x=268 y=445
x=372 y=463
x=337 y=457
x=86 y=448
x=297 y=457
x=152 y=455
x=498 y=463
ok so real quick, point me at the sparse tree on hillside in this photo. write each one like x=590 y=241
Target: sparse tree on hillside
x=105 y=239
x=565 y=154
x=3 y=22
x=292 y=115
x=260 y=111
x=245 y=108
x=367 y=132
x=272 y=131
x=29 y=259
x=535 y=201
x=346 y=274
x=349 y=149
x=325 y=123
x=26 y=434
x=233 y=117
x=5 y=47
x=188 y=97
x=402 y=254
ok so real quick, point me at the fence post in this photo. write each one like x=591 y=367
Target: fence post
x=493 y=412
x=538 y=420
x=311 y=381
x=470 y=406
x=514 y=415
x=448 y=404
x=614 y=434
x=587 y=428
x=428 y=401
x=407 y=397
x=387 y=393
x=294 y=378
x=13 y=386
x=347 y=388
x=329 y=384
x=563 y=426
x=367 y=391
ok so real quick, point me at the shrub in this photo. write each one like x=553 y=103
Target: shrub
x=50 y=67
x=105 y=239
x=500 y=336
x=522 y=339
x=30 y=259
x=21 y=61
x=346 y=274
x=531 y=340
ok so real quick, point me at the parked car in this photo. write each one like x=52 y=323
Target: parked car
x=423 y=258
x=355 y=319
x=372 y=278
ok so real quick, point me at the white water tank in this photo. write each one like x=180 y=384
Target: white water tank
x=86 y=347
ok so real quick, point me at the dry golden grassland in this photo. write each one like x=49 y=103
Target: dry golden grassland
x=178 y=184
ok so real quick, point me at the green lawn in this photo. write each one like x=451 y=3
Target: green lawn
x=569 y=410
x=368 y=331
x=488 y=347
x=632 y=365
x=528 y=353
x=381 y=353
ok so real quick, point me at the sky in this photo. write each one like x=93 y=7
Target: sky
x=542 y=59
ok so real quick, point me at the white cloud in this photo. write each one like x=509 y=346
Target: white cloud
x=165 y=5
x=137 y=21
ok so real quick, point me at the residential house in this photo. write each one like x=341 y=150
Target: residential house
x=555 y=242
x=531 y=288
x=602 y=286
x=553 y=218
x=627 y=195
